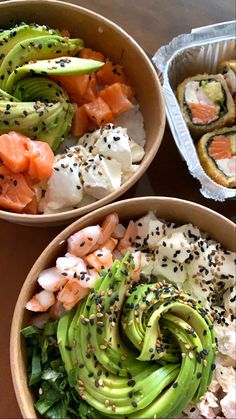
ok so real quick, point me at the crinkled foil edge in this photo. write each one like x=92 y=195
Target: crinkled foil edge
x=179 y=129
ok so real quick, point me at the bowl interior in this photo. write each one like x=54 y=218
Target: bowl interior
x=171 y=209
x=103 y=35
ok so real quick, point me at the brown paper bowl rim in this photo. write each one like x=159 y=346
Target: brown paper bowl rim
x=60 y=217
x=184 y=211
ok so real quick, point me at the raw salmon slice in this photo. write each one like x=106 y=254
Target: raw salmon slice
x=15 y=192
x=89 y=53
x=116 y=98
x=41 y=160
x=220 y=148
x=80 y=122
x=31 y=207
x=203 y=113
x=13 y=151
x=111 y=73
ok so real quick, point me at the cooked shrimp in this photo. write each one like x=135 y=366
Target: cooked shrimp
x=137 y=257
x=72 y=293
x=129 y=236
x=87 y=281
x=66 y=262
x=70 y=266
x=119 y=232
x=100 y=259
x=57 y=310
x=81 y=243
x=51 y=279
x=93 y=273
x=110 y=244
x=108 y=226
x=41 y=301
x=81 y=268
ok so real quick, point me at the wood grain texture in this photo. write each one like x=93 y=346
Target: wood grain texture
x=152 y=23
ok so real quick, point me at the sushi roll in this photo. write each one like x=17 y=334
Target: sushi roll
x=217 y=154
x=228 y=69
x=206 y=103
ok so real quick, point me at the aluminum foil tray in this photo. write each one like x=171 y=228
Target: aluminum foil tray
x=185 y=56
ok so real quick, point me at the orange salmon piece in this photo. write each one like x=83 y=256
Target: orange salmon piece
x=99 y=111
x=41 y=160
x=13 y=151
x=80 y=123
x=32 y=207
x=80 y=88
x=116 y=99
x=90 y=54
x=111 y=73
x=220 y=148
x=15 y=192
x=203 y=114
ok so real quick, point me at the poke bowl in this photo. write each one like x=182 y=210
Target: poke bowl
x=81 y=106
x=152 y=313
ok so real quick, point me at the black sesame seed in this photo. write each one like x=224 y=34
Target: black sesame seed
x=68 y=347
x=131 y=383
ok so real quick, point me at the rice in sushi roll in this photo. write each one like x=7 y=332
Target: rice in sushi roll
x=206 y=103
x=217 y=154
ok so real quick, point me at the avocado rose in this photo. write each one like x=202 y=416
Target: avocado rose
x=139 y=350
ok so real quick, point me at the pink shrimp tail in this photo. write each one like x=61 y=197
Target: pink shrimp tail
x=129 y=236
x=108 y=226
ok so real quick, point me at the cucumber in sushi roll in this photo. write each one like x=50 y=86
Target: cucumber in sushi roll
x=217 y=154
x=206 y=103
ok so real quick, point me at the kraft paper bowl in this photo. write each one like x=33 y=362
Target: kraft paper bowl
x=171 y=209
x=103 y=35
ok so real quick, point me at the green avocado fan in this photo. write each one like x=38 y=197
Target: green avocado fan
x=29 y=101
x=138 y=350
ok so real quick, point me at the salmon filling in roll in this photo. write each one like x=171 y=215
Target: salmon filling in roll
x=206 y=103
x=217 y=153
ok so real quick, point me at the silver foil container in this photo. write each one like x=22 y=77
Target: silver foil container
x=187 y=55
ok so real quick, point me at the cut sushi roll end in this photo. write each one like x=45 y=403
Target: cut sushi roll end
x=228 y=69
x=217 y=154
x=206 y=103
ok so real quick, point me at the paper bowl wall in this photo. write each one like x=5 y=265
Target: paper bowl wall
x=171 y=209
x=100 y=34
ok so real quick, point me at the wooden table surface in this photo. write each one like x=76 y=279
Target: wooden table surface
x=152 y=23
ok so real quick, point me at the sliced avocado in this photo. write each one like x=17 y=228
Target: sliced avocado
x=159 y=324
x=10 y=37
x=44 y=111
x=65 y=66
x=214 y=91
x=44 y=47
x=4 y=96
x=109 y=376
